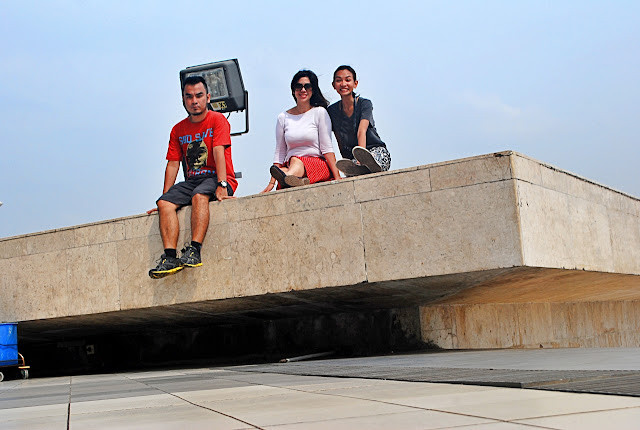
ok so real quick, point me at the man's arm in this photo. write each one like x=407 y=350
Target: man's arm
x=170 y=175
x=221 y=171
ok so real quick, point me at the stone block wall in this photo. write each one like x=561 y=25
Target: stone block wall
x=487 y=248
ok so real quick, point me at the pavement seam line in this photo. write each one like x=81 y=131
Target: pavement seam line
x=370 y=400
x=566 y=414
x=194 y=404
x=459 y=413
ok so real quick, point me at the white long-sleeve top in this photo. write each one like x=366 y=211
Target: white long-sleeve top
x=307 y=134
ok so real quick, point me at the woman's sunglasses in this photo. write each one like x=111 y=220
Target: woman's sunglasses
x=299 y=87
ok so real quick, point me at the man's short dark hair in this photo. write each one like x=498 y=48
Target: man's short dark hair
x=194 y=80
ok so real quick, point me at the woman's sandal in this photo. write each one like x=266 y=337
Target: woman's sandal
x=294 y=181
x=278 y=175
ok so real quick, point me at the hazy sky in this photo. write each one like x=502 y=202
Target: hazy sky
x=90 y=90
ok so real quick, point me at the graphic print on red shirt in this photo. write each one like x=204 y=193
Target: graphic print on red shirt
x=192 y=144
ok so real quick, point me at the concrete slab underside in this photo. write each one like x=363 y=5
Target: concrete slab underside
x=488 y=249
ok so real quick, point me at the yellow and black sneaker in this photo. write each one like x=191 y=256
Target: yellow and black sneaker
x=190 y=256
x=166 y=266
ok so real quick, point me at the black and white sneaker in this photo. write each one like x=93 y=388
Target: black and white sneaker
x=366 y=159
x=190 y=256
x=166 y=266
x=351 y=168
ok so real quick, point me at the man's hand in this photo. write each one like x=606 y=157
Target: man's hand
x=222 y=194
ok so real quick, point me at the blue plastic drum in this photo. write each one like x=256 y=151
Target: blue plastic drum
x=8 y=344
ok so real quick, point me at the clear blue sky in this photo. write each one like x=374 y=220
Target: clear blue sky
x=89 y=90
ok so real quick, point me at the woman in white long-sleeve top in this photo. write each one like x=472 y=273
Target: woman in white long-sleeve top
x=304 y=150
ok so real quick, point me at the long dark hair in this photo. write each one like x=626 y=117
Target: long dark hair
x=317 y=99
x=347 y=68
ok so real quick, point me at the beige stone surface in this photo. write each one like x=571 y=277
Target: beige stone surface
x=563 y=231
x=99 y=233
x=533 y=325
x=526 y=169
x=52 y=241
x=448 y=231
x=298 y=251
x=8 y=293
x=395 y=184
x=486 y=326
x=479 y=170
x=536 y=325
x=437 y=326
x=623 y=203
x=535 y=307
x=92 y=277
x=258 y=206
x=492 y=238
x=218 y=213
x=310 y=198
x=141 y=226
x=137 y=290
x=557 y=180
x=625 y=241
x=34 y=287
x=539 y=285
x=13 y=247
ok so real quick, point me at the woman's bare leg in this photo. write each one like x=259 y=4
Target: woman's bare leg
x=296 y=168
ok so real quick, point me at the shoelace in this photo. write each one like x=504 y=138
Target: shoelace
x=187 y=246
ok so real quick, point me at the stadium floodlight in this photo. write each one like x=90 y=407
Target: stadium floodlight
x=225 y=85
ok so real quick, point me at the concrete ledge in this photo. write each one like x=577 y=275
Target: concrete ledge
x=396 y=239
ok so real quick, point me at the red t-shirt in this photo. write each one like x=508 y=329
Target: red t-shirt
x=192 y=144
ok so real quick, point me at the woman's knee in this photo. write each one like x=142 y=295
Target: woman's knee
x=296 y=167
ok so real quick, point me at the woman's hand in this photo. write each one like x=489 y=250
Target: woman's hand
x=269 y=187
x=331 y=162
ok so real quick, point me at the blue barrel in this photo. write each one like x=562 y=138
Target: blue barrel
x=9 y=344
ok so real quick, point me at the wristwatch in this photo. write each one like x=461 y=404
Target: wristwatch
x=223 y=184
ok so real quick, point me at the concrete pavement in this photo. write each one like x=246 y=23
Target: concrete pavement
x=249 y=397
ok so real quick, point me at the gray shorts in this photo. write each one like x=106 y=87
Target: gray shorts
x=181 y=193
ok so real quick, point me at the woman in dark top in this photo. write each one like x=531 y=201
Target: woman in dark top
x=352 y=123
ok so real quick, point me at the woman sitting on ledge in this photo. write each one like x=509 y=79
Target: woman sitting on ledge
x=352 y=121
x=304 y=151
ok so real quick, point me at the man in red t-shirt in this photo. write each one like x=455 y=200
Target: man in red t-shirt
x=202 y=143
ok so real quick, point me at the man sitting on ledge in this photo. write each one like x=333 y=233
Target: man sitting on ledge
x=202 y=142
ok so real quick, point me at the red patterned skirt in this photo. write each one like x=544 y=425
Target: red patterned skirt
x=317 y=169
